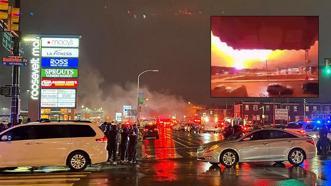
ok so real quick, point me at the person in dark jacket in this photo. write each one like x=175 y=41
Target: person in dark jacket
x=133 y=138
x=112 y=142
x=323 y=142
x=124 y=142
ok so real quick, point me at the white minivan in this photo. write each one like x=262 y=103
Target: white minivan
x=73 y=144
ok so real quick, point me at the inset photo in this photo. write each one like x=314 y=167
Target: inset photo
x=264 y=56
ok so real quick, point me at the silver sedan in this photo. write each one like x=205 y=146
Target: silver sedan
x=258 y=146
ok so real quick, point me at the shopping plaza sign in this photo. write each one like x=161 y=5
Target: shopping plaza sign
x=59 y=62
x=35 y=69
x=60 y=42
x=60 y=52
x=59 y=83
x=58 y=98
x=59 y=73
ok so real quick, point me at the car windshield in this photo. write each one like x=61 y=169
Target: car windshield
x=294 y=126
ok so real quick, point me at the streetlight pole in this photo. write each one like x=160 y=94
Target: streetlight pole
x=138 y=87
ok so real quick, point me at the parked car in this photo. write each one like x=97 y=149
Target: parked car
x=277 y=89
x=73 y=144
x=150 y=132
x=258 y=146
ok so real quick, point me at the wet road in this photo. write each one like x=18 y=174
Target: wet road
x=171 y=161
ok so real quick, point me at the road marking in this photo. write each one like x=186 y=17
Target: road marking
x=58 y=179
x=39 y=176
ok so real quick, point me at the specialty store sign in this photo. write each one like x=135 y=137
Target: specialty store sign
x=54 y=98
x=59 y=62
x=59 y=73
x=59 y=83
x=60 y=42
x=60 y=52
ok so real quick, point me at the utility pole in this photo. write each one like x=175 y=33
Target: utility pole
x=15 y=77
x=304 y=109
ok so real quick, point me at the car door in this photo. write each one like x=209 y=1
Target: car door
x=53 y=144
x=279 y=145
x=18 y=148
x=254 y=146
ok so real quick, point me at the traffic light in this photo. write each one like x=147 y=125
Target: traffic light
x=4 y=9
x=13 y=19
x=327 y=68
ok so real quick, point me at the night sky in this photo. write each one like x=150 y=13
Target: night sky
x=121 y=38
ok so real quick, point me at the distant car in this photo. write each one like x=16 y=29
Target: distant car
x=73 y=144
x=305 y=128
x=277 y=89
x=310 y=87
x=259 y=146
x=150 y=132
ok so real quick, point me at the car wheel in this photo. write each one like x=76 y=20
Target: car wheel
x=78 y=161
x=229 y=158
x=296 y=156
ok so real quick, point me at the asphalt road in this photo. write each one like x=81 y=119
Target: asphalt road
x=171 y=161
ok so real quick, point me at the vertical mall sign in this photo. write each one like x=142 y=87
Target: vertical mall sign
x=59 y=71
x=35 y=70
x=53 y=62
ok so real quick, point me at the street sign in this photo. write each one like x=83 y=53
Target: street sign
x=281 y=114
x=7 y=41
x=118 y=116
x=14 y=60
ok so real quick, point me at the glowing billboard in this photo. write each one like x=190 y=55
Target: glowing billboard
x=47 y=83
x=58 y=98
x=60 y=52
x=59 y=62
x=60 y=42
x=59 y=73
x=264 y=56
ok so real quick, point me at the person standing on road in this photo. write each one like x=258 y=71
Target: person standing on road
x=323 y=142
x=124 y=142
x=112 y=142
x=133 y=137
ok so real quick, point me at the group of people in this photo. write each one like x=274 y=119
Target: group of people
x=122 y=138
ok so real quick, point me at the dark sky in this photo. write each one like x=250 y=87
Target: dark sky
x=121 y=38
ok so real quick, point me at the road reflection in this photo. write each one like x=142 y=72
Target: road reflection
x=260 y=174
x=162 y=148
x=165 y=170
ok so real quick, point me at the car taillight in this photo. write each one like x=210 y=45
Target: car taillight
x=103 y=139
x=311 y=141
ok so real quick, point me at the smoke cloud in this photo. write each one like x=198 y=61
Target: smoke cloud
x=91 y=94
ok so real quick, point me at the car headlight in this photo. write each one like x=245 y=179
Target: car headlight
x=314 y=136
